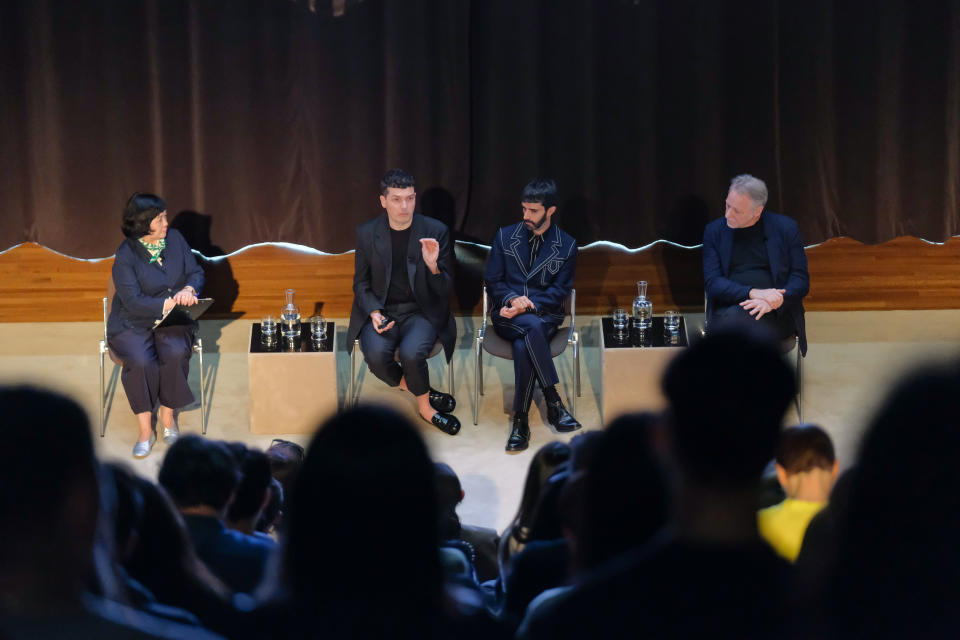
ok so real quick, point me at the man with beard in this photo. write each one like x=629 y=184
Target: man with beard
x=528 y=276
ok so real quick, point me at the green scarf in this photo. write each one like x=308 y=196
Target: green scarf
x=154 y=249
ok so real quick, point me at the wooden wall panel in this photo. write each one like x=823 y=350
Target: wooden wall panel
x=905 y=273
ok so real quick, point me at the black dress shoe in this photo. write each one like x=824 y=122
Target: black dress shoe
x=519 y=433
x=446 y=423
x=442 y=402
x=560 y=418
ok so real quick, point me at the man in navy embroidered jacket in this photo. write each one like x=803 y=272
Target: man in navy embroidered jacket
x=754 y=263
x=529 y=276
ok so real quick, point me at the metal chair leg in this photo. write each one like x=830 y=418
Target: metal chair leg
x=480 y=364
x=476 y=379
x=450 y=367
x=103 y=395
x=799 y=398
x=203 y=389
x=351 y=390
x=573 y=396
x=576 y=361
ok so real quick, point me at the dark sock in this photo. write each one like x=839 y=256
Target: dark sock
x=550 y=394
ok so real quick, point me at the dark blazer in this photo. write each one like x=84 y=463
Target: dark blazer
x=142 y=287
x=788 y=267
x=547 y=283
x=373 y=262
x=236 y=558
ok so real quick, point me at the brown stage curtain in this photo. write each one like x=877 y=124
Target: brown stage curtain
x=271 y=120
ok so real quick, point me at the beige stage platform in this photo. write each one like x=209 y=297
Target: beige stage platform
x=853 y=358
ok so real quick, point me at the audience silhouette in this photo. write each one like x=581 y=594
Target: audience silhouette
x=56 y=579
x=648 y=527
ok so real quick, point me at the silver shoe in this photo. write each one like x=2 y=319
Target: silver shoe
x=170 y=435
x=142 y=449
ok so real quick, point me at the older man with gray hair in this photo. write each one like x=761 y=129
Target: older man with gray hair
x=754 y=265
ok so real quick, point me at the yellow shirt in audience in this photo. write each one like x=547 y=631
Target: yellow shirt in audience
x=784 y=524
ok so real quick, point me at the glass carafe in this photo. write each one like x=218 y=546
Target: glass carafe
x=290 y=317
x=642 y=308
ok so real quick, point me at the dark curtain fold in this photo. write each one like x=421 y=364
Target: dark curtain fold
x=265 y=120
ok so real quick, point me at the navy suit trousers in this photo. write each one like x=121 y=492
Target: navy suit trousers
x=155 y=366
x=532 y=361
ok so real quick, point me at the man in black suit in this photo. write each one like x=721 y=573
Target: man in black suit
x=401 y=288
x=529 y=275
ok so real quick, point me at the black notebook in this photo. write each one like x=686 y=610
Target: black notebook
x=181 y=314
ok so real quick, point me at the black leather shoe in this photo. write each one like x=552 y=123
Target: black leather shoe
x=446 y=423
x=560 y=418
x=519 y=433
x=442 y=402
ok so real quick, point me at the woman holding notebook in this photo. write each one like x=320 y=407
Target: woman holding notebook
x=153 y=271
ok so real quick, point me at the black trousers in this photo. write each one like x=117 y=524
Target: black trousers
x=155 y=366
x=413 y=338
x=777 y=321
x=532 y=362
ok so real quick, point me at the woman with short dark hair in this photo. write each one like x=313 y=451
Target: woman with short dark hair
x=153 y=271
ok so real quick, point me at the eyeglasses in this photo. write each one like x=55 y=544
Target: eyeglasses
x=286 y=443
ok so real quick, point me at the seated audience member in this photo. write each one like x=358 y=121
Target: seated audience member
x=361 y=558
x=624 y=494
x=155 y=552
x=50 y=505
x=616 y=504
x=483 y=540
x=896 y=573
x=545 y=561
x=544 y=464
x=253 y=491
x=123 y=505
x=708 y=574
x=272 y=513
x=201 y=477
x=818 y=551
x=285 y=459
x=806 y=469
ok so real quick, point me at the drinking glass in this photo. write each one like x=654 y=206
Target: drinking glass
x=620 y=321
x=268 y=326
x=318 y=327
x=671 y=321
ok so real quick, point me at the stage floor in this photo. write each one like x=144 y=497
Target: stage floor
x=853 y=358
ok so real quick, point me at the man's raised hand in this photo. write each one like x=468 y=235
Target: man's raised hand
x=430 y=249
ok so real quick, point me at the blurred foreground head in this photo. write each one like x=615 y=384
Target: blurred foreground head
x=363 y=515
x=49 y=500
x=727 y=395
x=897 y=570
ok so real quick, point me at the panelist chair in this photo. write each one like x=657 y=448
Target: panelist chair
x=493 y=344
x=787 y=345
x=353 y=396
x=106 y=351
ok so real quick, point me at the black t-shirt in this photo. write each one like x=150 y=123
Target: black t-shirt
x=749 y=263
x=399 y=290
